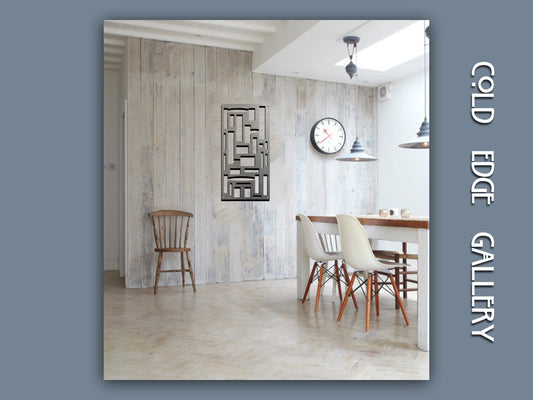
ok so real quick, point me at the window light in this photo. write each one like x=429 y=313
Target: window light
x=396 y=49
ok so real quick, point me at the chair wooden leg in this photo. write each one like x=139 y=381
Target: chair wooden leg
x=190 y=272
x=368 y=297
x=158 y=271
x=309 y=282
x=346 y=295
x=319 y=287
x=376 y=295
x=404 y=282
x=182 y=270
x=404 y=269
x=399 y=298
x=338 y=276
x=348 y=280
x=397 y=277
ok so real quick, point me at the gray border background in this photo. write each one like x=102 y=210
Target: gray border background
x=51 y=197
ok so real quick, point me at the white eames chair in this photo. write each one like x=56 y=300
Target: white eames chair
x=358 y=254
x=316 y=252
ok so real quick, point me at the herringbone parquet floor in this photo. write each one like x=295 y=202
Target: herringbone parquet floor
x=253 y=331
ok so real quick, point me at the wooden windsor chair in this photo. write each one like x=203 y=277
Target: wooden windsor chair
x=401 y=274
x=171 y=231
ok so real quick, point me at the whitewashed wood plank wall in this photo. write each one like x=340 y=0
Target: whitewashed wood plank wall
x=174 y=96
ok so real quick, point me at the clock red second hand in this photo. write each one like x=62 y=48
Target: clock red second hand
x=328 y=137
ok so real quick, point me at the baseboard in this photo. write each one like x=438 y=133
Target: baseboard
x=108 y=266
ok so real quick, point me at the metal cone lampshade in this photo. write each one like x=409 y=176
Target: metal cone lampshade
x=422 y=138
x=357 y=153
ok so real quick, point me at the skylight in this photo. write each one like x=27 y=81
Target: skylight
x=396 y=49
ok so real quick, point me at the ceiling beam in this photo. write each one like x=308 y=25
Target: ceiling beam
x=203 y=41
x=257 y=26
x=285 y=35
x=114 y=67
x=182 y=27
x=112 y=59
x=113 y=50
x=114 y=42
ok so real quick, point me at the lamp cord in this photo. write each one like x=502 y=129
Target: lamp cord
x=425 y=78
x=356 y=91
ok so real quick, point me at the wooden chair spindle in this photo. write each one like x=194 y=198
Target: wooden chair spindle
x=167 y=241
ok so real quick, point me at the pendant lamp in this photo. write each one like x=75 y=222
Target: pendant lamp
x=421 y=141
x=357 y=153
x=351 y=46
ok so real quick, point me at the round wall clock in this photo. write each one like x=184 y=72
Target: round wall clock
x=328 y=136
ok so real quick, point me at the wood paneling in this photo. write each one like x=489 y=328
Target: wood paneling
x=212 y=163
x=172 y=150
x=174 y=96
x=134 y=235
x=200 y=166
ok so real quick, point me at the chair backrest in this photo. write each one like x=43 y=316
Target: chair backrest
x=356 y=249
x=330 y=242
x=312 y=242
x=171 y=228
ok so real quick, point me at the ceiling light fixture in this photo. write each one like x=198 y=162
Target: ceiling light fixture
x=351 y=46
x=422 y=137
x=357 y=153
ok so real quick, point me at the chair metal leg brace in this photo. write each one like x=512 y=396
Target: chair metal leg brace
x=327 y=273
x=369 y=293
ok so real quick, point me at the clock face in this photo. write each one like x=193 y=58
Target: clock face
x=328 y=136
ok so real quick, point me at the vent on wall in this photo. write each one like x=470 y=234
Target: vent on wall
x=385 y=92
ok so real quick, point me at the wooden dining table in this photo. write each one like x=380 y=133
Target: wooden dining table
x=410 y=230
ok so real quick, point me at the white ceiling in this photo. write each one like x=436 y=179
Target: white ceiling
x=301 y=48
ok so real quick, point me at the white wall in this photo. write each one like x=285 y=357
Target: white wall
x=111 y=170
x=403 y=174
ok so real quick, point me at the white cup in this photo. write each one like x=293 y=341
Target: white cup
x=405 y=212
x=383 y=212
x=394 y=212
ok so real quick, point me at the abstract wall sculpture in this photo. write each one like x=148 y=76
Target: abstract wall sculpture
x=245 y=153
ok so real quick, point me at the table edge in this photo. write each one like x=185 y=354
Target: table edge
x=376 y=221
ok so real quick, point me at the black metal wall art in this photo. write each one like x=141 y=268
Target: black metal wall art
x=245 y=153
